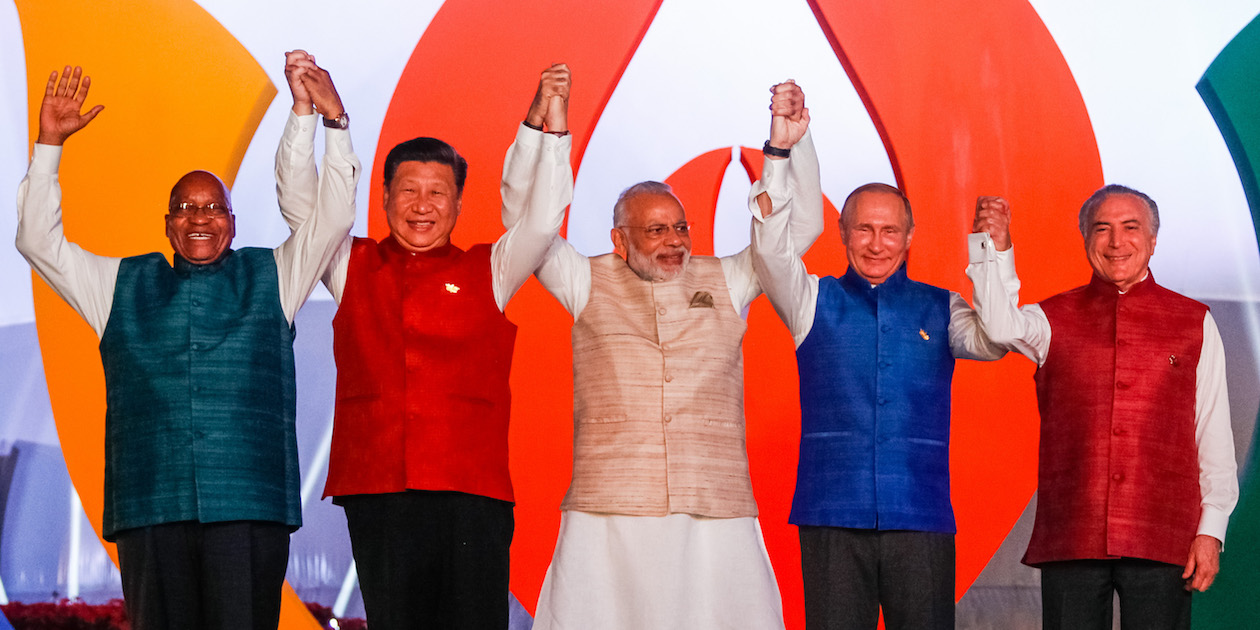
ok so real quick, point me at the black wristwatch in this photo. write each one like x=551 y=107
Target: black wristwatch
x=769 y=150
x=340 y=122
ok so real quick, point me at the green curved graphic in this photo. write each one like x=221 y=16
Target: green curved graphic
x=1231 y=90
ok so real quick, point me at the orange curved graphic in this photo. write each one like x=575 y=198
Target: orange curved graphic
x=970 y=98
x=168 y=110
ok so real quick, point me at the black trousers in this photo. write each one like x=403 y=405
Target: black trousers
x=431 y=559
x=850 y=573
x=1077 y=595
x=203 y=576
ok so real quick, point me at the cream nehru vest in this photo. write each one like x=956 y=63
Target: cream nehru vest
x=658 y=401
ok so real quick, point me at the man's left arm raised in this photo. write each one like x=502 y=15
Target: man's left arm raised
x=302 y=258
x=538 y=175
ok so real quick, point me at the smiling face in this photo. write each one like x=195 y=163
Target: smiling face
x=658 y=258
x=200 y=237
x=876 y=234
x=422 y=204
x=1119 y=240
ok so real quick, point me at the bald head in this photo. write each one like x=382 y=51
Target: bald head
x=199 y=221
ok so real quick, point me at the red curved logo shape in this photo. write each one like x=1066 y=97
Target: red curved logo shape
x=969 y=97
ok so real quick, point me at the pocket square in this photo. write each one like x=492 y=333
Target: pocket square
x=702 y=299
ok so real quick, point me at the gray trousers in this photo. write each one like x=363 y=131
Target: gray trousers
x=849 y=574
x=1077 y=595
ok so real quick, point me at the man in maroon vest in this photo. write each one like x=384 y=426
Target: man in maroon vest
x=419 y=457
x=1136 y=479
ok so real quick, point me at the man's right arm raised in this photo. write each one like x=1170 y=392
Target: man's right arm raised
x=786 y=189
x=996 y=286
x=300 y=189
x=84 y=280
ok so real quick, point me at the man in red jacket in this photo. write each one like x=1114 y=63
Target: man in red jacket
x=419 y=457
x=1136 y=479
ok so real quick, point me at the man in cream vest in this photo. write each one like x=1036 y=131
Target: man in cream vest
x=659 y=527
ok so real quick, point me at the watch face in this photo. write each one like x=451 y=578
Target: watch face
x=340 y=122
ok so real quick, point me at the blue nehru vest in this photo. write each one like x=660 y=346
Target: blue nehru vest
x=875 y=378
x=199 y=382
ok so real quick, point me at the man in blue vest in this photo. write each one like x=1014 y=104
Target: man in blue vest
x=201 y=470
x=876 y=355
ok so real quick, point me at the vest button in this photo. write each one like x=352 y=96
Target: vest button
x=1117 y=477
x=199 y=434
x=669 y=418
x=885 y=328
x=881 y=439
x=196 y=302
x=669 y=378
x=664 y=346
x=1121 y=342
x=885 y=364
x=882 y=401
x=661 y=310
x=1122 y=385
x=1117 y=431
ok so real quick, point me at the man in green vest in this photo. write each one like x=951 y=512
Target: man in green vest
x=201 y=470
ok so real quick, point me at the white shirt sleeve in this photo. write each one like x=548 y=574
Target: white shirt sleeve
x=966 y=336
x=566 y=274
x=996 y=296
x=310 y=249
x=297 y=183
x=536 y=187
x=1214 y=436
x=83 y=279
x=779 y=240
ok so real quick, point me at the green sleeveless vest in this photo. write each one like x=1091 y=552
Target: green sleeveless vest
x=199 y=382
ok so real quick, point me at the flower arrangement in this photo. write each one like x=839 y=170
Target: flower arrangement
x=76 y=615
x=67 y=615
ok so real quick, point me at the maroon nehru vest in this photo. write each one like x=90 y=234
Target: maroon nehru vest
x=1119 y=471
x=423 y=355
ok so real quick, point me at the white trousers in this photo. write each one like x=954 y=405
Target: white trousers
x=615 y=572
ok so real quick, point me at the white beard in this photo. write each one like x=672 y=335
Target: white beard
x=647 y=268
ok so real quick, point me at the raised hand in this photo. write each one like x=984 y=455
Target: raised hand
x=993 y=215
x=789 y=117
x=319 y=86
x=293 y=74
x=60 y=114
x=550 y=106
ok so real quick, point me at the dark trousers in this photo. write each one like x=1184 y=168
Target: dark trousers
x=850 y=573
x=203 y=576
x=1077 y=595
x=431 y=559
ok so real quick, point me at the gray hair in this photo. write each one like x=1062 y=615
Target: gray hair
x=641 y=188
x=1090 y=208
x=876 y=187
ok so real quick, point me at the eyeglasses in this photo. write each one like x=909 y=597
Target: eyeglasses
x=659 y=230
x=212 y=210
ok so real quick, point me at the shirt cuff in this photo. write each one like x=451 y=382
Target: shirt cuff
x=337 y=141
x=773 y=182
x=1213 y=522
x=45 y=159
x=559 y=146
x=980 y=248
x=304 y=123
x=527 y=136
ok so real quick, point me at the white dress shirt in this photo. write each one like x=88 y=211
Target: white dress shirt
x=86 y=281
